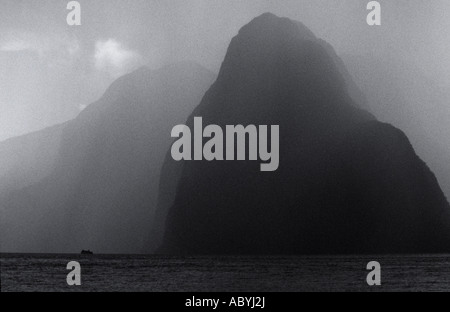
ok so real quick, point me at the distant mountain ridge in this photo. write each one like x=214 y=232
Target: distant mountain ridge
x=102 y=192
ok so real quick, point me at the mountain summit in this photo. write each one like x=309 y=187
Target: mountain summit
x=346 y=182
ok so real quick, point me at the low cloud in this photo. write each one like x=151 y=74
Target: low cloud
x=113 y=58
x=15 y=46
x=56 y=49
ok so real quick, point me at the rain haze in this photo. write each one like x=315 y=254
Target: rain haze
x=51 y=72
x=92 y=166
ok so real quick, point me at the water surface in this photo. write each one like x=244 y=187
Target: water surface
x=145 y=273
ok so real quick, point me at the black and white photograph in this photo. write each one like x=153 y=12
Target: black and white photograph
x=212 y=146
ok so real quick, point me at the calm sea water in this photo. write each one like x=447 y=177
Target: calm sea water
x=29 y=272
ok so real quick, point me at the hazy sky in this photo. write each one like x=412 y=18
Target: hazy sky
x=49 y=70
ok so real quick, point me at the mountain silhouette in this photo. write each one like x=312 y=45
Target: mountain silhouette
x=346 y=182
x=102 y=192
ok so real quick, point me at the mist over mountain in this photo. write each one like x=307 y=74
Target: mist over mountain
x=102 y=193
x=400 y=93
x=346 y=182
x=27 y=159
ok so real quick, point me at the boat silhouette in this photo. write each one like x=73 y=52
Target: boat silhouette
x=86 y=252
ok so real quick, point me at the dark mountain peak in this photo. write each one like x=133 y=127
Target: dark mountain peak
x=269 y=41
x=275 y=59
x=273 y=51
x=270 y=26
x=346 y=183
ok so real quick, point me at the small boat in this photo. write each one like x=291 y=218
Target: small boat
x=86 y=252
